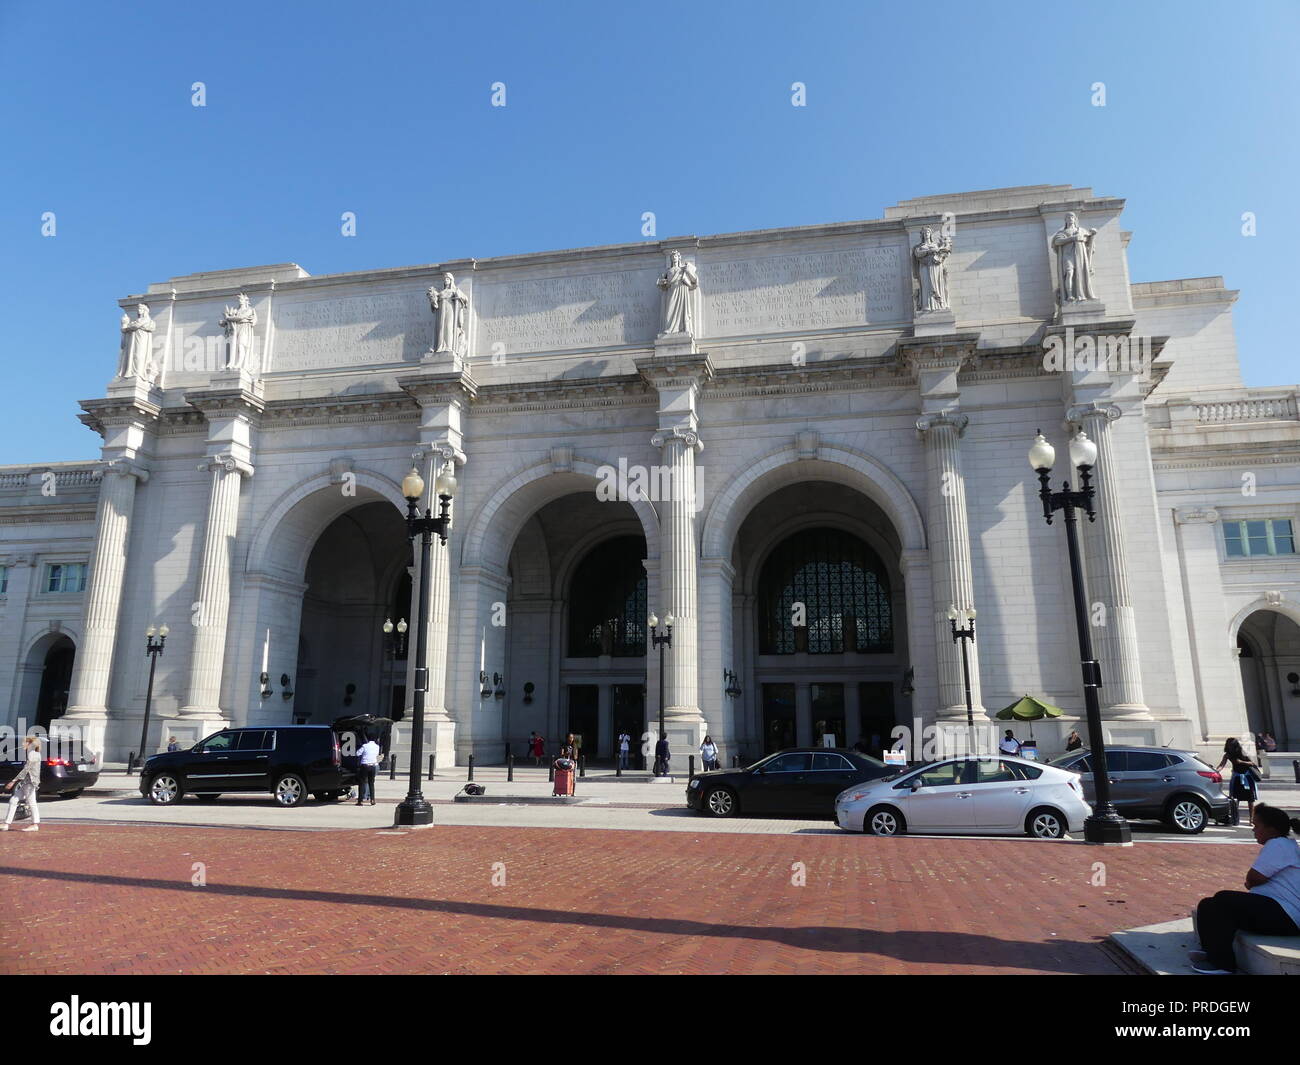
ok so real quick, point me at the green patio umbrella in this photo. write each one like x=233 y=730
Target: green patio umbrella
x=1028 y=708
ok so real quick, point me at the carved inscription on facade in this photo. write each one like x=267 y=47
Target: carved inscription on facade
x=350 y=331
x=790 y=292
x=557 y=313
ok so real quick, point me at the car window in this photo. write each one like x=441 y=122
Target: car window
x=254 y=740
x=222 y=741
x=1026 y=772
x=941 y=774
x=995 y=771
x=788 y=763
x=1117 y=761
x=833 y=762
x=1145 y=761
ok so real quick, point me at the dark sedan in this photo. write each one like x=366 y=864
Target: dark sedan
x=59 y=776
x=802 y=782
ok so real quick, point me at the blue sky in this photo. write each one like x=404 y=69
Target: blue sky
x=612 y=110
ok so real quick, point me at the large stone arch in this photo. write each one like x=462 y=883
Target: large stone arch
x=833 y=462
x=1281 y=606
x=493 y=528
x=286 y=534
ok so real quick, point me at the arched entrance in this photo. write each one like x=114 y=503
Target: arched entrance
x=357 y=576
x=822 y=615
x=55 y=656
x=1268 y=645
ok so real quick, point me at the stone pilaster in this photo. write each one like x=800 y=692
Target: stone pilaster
x=1114 y=629
x=952 y=580
x=212 y=601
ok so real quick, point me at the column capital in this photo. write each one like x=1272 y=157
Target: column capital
x=688 y=436
x=430 y=389
x=676 y=371
x=1077 y=412
x=443 y=449
x=226 y=461
x=1196 y=516
x=946 y=418
x=124 y=467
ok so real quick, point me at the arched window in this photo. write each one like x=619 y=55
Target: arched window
x=844 y=591
x=607 y=601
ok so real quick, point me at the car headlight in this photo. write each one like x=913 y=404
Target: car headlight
x=695 y=782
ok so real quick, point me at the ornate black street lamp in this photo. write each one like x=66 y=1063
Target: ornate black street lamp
x=962 y=636
x=663 y=641
x=153 y=650
x=395 y=642
x=1105 y=825
x=414 y=811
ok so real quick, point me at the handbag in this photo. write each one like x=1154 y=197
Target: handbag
x=1253 y=773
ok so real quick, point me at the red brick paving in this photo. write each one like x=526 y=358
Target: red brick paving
x=118 y=899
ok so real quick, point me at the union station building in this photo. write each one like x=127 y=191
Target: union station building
x=804 y=444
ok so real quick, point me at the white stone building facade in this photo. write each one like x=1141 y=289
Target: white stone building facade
x=825 y=450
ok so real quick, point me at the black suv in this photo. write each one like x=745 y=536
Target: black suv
x=288 y=761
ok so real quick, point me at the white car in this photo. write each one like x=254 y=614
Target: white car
x=967 y=795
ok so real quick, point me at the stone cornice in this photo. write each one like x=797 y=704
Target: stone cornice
x=40 y=514
x=448 y=386
x=682 y=370
x=102 y=414
x=340 y=410
x=566 y=393
x=228 y=402
x=949 y=351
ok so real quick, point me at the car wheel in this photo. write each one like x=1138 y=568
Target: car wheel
x=290 y=790
x=210 y=797
x=1045 y=824
x=165 y=790
x=884 y=821
x=1188 y=815
x=73 y=794
x=721 y=802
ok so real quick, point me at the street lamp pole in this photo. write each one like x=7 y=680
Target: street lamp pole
x=1105 y=825
x=961 y=636
x=153 y=650
x=662 y=641
x=414 y=811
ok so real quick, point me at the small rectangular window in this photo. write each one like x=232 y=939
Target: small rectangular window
x=65 y=577
x=4 y=580
x=1268 y=536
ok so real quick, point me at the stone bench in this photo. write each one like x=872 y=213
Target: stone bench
x=1163 y=949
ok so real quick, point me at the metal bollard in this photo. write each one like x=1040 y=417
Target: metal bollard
x=507 y=752
x=1295 y=765
x=550 y=770
x=582 y=765
x=433 y=761
x=690 y=772
x=735 y=761
x=471 y=768
x=392 y=767
x=510 y=766
x=618 y=765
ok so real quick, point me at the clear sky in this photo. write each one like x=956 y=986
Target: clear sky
x=613 y=109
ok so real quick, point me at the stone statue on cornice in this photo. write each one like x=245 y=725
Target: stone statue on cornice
x=451 y=306
x=679 y=281
x=239 y=323
x=930 y=269
x=136 y=358
x=1073 y=247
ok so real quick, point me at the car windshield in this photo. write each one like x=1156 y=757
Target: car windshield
x=1066 y=759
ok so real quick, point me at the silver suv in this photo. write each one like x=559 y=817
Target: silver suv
x=1156 y=784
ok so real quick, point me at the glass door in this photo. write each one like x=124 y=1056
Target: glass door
x=584 y=718
x=828 y=715
x=778 y=717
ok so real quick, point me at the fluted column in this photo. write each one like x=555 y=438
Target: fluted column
x=440 y=588
x=677 y=575
x=1114 y=628
x=211 y=608
x=950 y=562
x=94 y=660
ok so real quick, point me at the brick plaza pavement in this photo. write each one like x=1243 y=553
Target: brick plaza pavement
x=119 y=899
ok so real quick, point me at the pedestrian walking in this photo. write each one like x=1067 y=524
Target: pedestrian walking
x=624 y=749
x=662 y=755
x=367 y=767
x=1074 y=741
x=1270 y=905
x=25 y=785
x=1009 y=744
x=709 y=754
x=538 y=749
x=1245 y=775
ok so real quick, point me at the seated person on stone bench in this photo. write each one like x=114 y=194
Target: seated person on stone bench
x=1270 y=905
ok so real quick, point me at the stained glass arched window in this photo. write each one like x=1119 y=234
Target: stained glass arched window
x=844 y=591
x=607 y=601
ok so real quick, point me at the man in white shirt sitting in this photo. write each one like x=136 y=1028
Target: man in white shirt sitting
x=368 y=765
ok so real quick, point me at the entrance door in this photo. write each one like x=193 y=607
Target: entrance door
x=876 y=715
x=828 y=715
x=629 y=716
x=56 y=679
x=778 y=717
x=584 y=716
